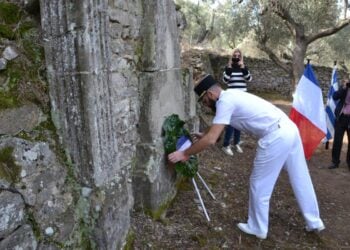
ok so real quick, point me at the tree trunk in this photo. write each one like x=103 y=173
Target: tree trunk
x=298 y=60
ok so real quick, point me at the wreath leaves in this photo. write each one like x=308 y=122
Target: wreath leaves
x=173 y=129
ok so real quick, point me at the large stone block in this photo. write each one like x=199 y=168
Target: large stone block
x=162 y=94
x=160 y=38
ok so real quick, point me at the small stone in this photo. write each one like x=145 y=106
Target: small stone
x=9 y=53
x=3 y=63
x=23 y=173
x=85 y=191
x=49 y=231
x=50 y=203
x=223 y=205
x=31 y=155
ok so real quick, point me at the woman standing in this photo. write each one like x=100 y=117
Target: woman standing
x=236 y=76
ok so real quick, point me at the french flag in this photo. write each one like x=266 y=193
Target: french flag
x=308 y=111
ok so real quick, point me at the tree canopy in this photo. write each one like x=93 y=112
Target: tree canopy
x=286 y=31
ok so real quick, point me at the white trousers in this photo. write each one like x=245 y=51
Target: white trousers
x=281 y=148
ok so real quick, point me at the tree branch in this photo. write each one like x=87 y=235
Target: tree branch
x=327 y=32
x=273 y=56
x=280 y=11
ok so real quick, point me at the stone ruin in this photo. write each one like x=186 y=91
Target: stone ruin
x=114 y=74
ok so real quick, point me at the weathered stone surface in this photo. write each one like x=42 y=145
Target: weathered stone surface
x=11 y=213
x=110 y=231
x=114 y=73
x=160 y=38
x=81 y=101
x=24 y=118
x=22 y=238
x=94 y=119
x=3 y=63
x=155 y=180
x=42 y=184
x=47 y=246
x=159 y=99
x=9 y=53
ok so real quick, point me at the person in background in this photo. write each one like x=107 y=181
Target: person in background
x=342 y=123
x=235 y=76
x=279 y=147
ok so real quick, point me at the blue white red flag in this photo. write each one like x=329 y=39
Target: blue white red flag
x=308 y=111
x=331 y=104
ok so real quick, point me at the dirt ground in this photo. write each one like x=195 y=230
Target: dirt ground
x=184 y=225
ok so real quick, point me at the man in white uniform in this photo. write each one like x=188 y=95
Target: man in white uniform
x=279 y=146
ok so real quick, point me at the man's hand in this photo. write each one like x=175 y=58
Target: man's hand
x=178 y=156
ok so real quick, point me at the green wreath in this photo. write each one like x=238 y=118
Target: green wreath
x=173 y=129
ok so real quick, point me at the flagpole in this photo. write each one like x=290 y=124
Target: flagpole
x=206 y=186
x=200 y=199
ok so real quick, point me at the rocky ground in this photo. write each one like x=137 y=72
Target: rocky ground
x=184 y=225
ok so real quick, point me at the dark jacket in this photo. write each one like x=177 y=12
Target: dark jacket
x=339 y=95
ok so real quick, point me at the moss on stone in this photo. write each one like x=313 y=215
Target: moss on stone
x=6 y=32
x=8 y=101
x=159 y=213
x=34 y=52
x=9 y=170
x=130 y=238
x=15 y=75
x=34 y=224
x=10 y=13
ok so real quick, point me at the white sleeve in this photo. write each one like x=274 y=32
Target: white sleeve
x=223 y=113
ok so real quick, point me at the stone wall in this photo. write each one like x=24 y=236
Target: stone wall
x=114 y=75
x=81 y=161
x=164 y=89
x=267 y=77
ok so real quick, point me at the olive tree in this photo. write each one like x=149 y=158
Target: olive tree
x=285 y=29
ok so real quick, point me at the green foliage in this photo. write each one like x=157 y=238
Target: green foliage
x=23 y=78
x=6 y=32
x=9 y=13
x=173 y=129
x=25 y=27
x=337 y=44
x=240 y=24
x=9 y=170
x=226 y=25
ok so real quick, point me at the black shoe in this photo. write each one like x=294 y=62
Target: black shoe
x=333 y=166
